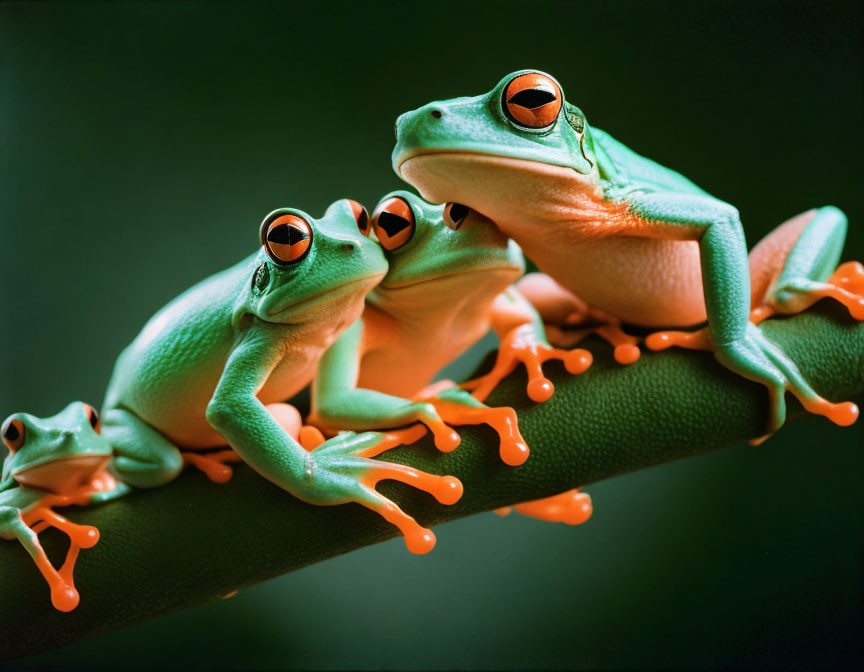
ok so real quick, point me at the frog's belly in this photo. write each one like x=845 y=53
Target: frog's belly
x=644 y=281
x=406 y=363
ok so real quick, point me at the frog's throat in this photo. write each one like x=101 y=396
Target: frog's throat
x=511 y=192
x=275 y=309
x=62 y=475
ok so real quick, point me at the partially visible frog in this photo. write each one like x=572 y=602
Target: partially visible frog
x=637 y=241
x=56 y=461
x=449 y=280
x=215 y=365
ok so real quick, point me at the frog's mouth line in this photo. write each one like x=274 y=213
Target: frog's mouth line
x=63 y=474
x=327 y=293
x=517 y=161
x=437 y=278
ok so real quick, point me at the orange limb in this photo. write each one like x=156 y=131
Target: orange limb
x=310 y=437
x=691 y=340
x=513 y=448
x=571 y=508
x=521 y=345
x=40 y=516
x=213 y=464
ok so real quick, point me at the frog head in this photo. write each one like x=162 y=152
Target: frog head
x=448 y=251
x=59 y=454
x=309 y=269
x=518 y=151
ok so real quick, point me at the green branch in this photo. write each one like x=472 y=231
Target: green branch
x=192 y=541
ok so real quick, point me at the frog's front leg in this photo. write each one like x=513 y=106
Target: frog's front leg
x=64 y=597
x=337 y=471
x=523 y=340
x=737 y=343
x=143 y=457
x=337 y=402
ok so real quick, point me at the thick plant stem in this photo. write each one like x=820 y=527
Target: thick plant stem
x=192 y=540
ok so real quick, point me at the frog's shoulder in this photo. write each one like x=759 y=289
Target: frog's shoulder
x=624 y=171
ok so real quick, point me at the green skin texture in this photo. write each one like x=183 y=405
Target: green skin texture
x=480 y=257
x=61 y=437
x=201 y=371
x=478 y=125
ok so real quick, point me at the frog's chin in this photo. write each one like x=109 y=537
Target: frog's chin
x=510 y=191
x=326 y=301
x=64 y=475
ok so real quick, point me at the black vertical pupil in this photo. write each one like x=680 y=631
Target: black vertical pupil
x=94 y=418
x=11 y=433
x=363 y=220
x=286 y=234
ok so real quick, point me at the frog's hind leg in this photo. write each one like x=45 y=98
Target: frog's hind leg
x=796 y=265
x=143 y=457
x=564 y=314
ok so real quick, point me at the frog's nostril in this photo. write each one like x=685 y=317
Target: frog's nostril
x=349 y=248
x=436 y=113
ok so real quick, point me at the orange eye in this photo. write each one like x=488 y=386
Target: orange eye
x=532 y=100
x=361 y=216
x=393 y=221
x=287 y=238
x=92 y=417
x=455 y=215
x=13 y=434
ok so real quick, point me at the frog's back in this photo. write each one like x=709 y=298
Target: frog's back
x=172 y=367
x=624 y=171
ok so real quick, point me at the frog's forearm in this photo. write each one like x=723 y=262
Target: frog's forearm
x=336 y=401
x=236 y=413
x=723 y=252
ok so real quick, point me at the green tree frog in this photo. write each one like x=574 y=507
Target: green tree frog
x=629 y=237
x=215 y=365
x=56 y=461
x=449 y=280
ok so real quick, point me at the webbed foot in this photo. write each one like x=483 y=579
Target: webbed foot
x=457 y=407
x=521 y=345
x=339 y=471
x=758 y=359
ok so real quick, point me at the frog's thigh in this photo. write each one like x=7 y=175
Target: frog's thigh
x=803 y=250
x=143 y=457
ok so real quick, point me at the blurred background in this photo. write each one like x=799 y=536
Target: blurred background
x=142 y=143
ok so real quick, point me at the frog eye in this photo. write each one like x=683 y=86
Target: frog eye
x=92 y=417
x=455 y=215
x=13 y=434
x=532 y=100
x=286 y=238
x=361 y=216
x=393 y=221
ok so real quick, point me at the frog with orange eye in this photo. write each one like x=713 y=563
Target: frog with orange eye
x=54 y=462
x=206 y=379
x=450 y=279
x=625 y=240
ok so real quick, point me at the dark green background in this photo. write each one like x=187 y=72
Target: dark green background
x=143 y=142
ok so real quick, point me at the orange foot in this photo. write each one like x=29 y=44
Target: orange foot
x=64 y=596
x=846 y=285
x=213 y=464
x=512 y=447
x=571 y=508
x=522 y=345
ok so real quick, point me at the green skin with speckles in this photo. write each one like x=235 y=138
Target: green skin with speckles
x=435 y=301
x=569 y=193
